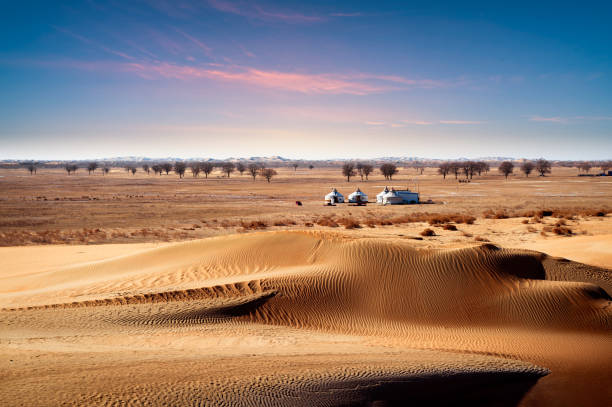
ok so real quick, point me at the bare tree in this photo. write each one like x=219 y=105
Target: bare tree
x=359 y=168
x=527 y=167
x=605 y=166
x=228 y=168
x=585 y=166
x=310 y=167
x=419 y=167
x=267 y=173
x=481 y=167
x=32 y=168
x=179 y=168
x=133 y=170
x=366 y=170
x=167 y=167
x=348 y=170
x=146 y=168
x=543 y=167
x=91 y=167
x=241 y=168
x=506 y=168
x=195 y=169
x=254 y=170
x=444 y=169
x=71 y=168
x=157 y=169
x=105 y=170
x=388 y=170
x=295 y=166
x=207 y=168
x=455 y=168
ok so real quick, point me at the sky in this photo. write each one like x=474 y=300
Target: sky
x=304 y=80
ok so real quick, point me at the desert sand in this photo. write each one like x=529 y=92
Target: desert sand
x=185 y=303
x=303 y=318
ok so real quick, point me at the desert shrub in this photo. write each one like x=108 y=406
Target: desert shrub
x=562 y=230
x=481 y=239
x=466 y=234
x=561 y=222
x=327 y=221
x=253 y=225
x=531 y=229
x=308 y=224
x=349 y=223
x=544 y=213
x=449 y=227
x=279 y=223
x=428 y=232
x=525 y=221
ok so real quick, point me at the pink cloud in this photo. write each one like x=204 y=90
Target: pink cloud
x=460 y=122
x=375 y=123
x=289 y=81
x=207 y=50
x=548 y=119
x=417 y=122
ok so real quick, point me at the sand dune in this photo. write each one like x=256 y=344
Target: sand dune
x=463 y=318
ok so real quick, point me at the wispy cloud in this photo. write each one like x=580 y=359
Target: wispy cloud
x=461 y=122
x=90 y=42
x=417 y=122
x=205 y=48
x=375 y=123
x=346 y=14
x=255 y=11
x=566 y=120
x=548 y=119
x=354 y=84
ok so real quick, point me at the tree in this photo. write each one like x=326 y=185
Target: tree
x=359 y=168
x=455 y=168
x=32 y=168
x=527 y=168
x=228 y=168
x=157 y=169
x=295 y=166
x=207 y=168
x=367 y=169
x=71 y=168
x=267 y=173
x=506 y=168
x=146 y=168
x=179 y=168
x=310 y=167
x=348 y=170
x=419 y=167
x=388 y=170
x=481 y=167
x=195 y=169
x=167 y=167
x=444 y=169
x=585 y=166
x=241 y=168
x=254 y=170
x=91 y=167
x=543 y=167
x=133 y=170
x=105 y=170
x=605 y=166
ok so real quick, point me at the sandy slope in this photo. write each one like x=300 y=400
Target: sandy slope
x=307 y=318
x=596 y=250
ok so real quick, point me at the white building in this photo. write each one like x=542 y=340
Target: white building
x=334 y=197
x=397 y=197
x=358 y=197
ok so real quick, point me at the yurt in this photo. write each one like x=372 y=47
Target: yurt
x=334 y=197
x=379 y=197
x=358 y=197
x=399 y=197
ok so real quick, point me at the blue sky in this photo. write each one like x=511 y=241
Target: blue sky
x=220 y=78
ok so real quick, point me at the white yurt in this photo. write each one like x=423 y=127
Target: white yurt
x=392 y=198
x=358 y=197
x=379 y=197
x=334 y=197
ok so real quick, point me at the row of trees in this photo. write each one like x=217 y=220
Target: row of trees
x=469 y=168
x=180 y=169
x=541 y=166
